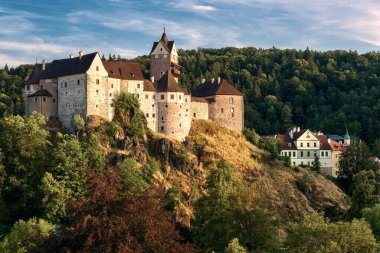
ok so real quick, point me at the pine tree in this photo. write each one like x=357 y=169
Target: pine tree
x=316 y=165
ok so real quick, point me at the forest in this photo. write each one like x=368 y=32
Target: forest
x=117 y=187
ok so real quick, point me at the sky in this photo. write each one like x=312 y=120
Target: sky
x=54 y=29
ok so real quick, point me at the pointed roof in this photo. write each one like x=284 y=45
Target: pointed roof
x=41 y=93
x=168 y=45
x=123 y=70
x=34 y=76
x=167 y=83
x=69 y=66
x=214 y=88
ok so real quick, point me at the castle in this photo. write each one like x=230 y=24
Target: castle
x=86 y=85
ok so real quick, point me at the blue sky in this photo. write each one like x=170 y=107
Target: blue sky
x=53 y=29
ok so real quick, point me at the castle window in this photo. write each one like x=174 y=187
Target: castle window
x=172 y=96
x=180 y=125
x=166 y=106
x=138 y=86
x=97 y=68
x=138 y=95
x=152 y=105
x=186 y=100
x=97 y=91
x=232 y=115
x=65 y=84
x=53 y=100
x=180 y=115
x=195 y=115
x=161 y=49
x=111 y=85
x=111 y=104
x=78 y=82
x=162 y=118
x=147 y=115
x=153 y=115
x=154 y=96
x=110 y=94
x=28 y=87
x=301 y=153
x=35 y=99
x=232 y=110
x=146 y=96
x=162 y=128
x=97 y=81
x=96 y=106
x=162 y=96
x=179 y=97
x=231 y=100
x=78 y=91
x=187 y=110
x=221 y=110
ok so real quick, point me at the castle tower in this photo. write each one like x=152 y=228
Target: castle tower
x=164 y=57
x=347 y=138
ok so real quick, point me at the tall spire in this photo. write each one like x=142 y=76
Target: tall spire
x=164 y=38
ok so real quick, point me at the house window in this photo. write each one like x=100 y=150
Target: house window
x=146 y=96
x=138 y=95
x=315 y=144
x=322 y=154
x=97 y=81
x=138 y=86
x=44 y=99
x=301 y=153
x=65 y=84
x=308 y=153
x=231 y=100
x=78 y=82
x=172 y=96
x=294 y=154
x=186 y=100
x=294 y=163
x=28 y=87
x=162 y=96
x=308 y=144
x=35 y=99
x=179 y=97
x=301 y=144
x=232 y=115
x=154 y=96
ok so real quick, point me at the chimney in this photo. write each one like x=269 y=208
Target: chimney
x=212 y=80
x=294 y=129
x=298 y=129
x=203 y=80
x=329 y=140
x=43 y=64
x=291 y=134
x=152 y=79
x=71 y=56
x=219 y=79
x=80 y=54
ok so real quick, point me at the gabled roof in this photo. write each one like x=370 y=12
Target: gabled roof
x=34 y=76
x=324 y=142
x=123 y=70
x=41 y=93
x=214 y=88
x=336 y=146
x=148 y=86
x=286 y=141
x=69 y=66
x=167 y=83
x=165 y=42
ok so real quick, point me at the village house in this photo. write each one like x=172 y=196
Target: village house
x=87 y=85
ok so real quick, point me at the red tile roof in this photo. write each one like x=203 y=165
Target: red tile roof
x=336 y=146
x=209 y=88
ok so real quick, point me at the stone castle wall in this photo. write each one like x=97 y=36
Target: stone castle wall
x=149 y=107
x=159 y=65
x=199 y=110
x=228 y=111
x=71 y=98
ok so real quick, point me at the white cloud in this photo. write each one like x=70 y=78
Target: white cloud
x=203 y=8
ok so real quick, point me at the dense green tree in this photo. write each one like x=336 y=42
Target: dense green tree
x=316 y=165
x=372 y=216
x=234 y=247
x=26 y=236
x=313 y=235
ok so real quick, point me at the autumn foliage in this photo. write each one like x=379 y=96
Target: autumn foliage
x=102 y=221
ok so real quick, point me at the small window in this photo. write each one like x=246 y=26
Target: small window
x=195 y=115
x=97 y=81
x=294 y=163
x=147 y=115
x=308 y=153
x=179 y=97
x=294 y=154
x=110 y=94
x=308 y=144
x=180 y=125
x=162 y=118
x=153 y=115
x=231 y=100
x=96 y=106
x=301 y=144
x=97 y=91
x=78 y=82
x=152 y=105
x=187 y=110
x=232 y=115
x=301 y=153
x=42 y=87
x=161 y=49
x=65 y=84
x=162 y=128
x=154 y=96
x=53 y=100
x=111 y=104
x=221 y=110
x=162 y=96
x=186 y=100
x=61 y=85
x=28 y=87
x=138 y=95
x=35 y=99
x=78 y=91
x=111 y=85
x=315 y=144
x=232 y=110
x=172 y=96
x=97 y=68
x=146 y=96
x=166 y=106
x=138 y=86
